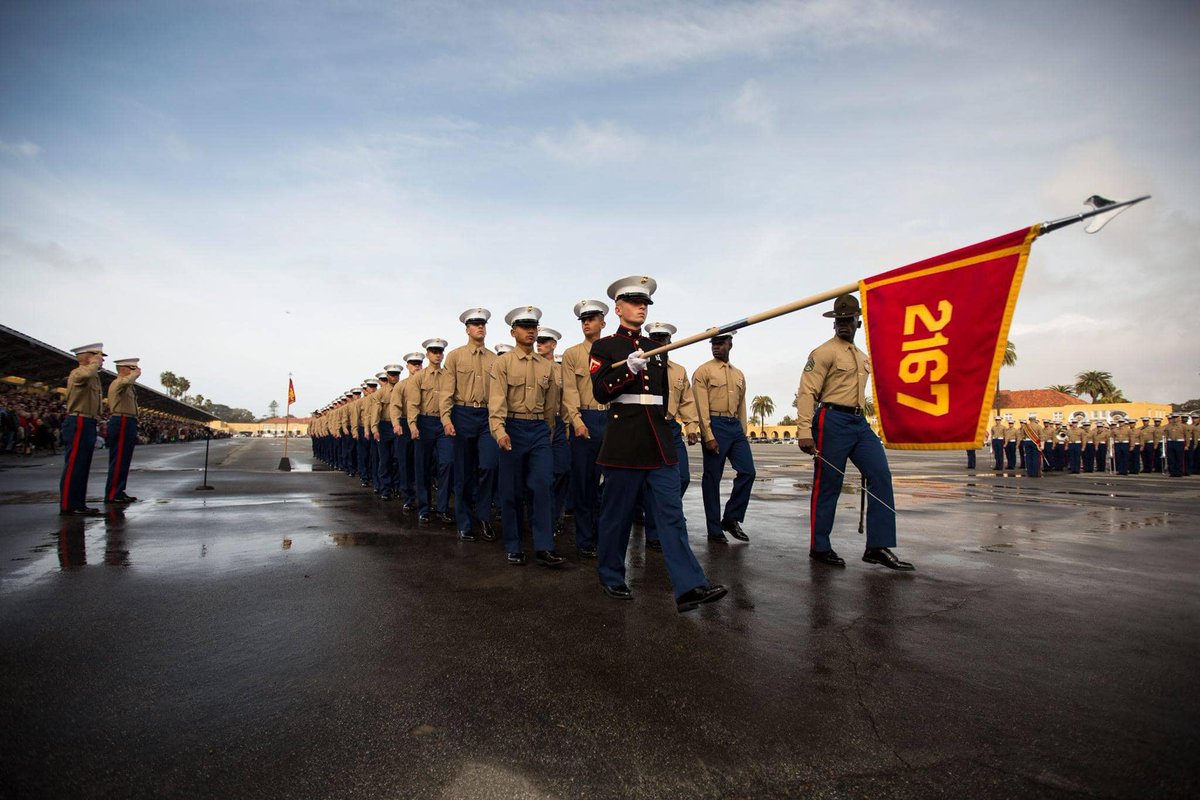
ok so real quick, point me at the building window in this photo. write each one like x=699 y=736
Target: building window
x=1057 y=416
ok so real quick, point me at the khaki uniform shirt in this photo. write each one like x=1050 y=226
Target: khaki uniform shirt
x=521 y=383
x=1030 y=427
x=83 y=391
x=376 y=408
x=997 y=430
x=681 y=401
x=1159 y=431
x=468 y=371
x=1176 y=432
x=424 y=396
x=837 y=372
x=122 y=397
x=1074 y=435
x=1011 y=433
x=577 y=384
x=397 y=407
x=719 y=389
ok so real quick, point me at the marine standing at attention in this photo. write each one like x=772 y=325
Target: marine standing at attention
x=79 y=430
x=830 y=404
x=122 y=429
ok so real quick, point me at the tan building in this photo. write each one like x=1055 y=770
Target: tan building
x=273 y=427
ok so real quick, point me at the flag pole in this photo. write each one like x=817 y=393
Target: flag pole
x=285 y=463
x=1103 y=206
x=754 y=319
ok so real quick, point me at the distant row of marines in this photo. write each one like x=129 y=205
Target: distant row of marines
x=1121 y=446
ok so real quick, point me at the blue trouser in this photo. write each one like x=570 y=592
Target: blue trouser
x=971 y=459
x=733 y=447
x=365 y=449
x=348 y=451
x=383 y=457
x=998 y=453
x=585 y=477
x=1175 y=453
x=1074 y=451
x=1102 y=458
x=403 y=475
x=685 y=478
x=1147 y=457
x=475 y=458
x=562 y=466
x=1048 y=453
x=1060 y=456
x=1121 y=457
x=1010 y=455
x=433 y=455
x=527 y=467
x=659 y=489
x=1089 y=457
x=79 y=438
x=120 y=438
x=840 y=436
x=1033 y=459
x=1135 y=458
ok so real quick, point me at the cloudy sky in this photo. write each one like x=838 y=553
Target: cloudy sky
x=234 y=191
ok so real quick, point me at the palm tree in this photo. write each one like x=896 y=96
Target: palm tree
x=1095 y=384
x=1062 y=387
x=1010 y=359
x=1114 y=396
x=762 y=407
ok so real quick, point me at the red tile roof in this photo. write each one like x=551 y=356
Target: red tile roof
x=1035 y=398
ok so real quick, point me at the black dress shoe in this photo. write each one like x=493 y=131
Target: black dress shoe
x=442 y=516
x=410 y=505
x=119 y=501
x=549 y=558
x=735 y=530
x=619 y=592
x=487 y=531
x=654 y=544
x=385 y=495
x=884 y=556
x=714 y=537
x=424 y=516
x=466 y=536
x=692 y=598
x=558 y=528
x=828 y=557
x=81 y=512
x=587 y=552
x=516 y=559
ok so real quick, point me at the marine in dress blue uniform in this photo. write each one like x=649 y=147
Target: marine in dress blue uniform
x=636 y=456
x=830 y=404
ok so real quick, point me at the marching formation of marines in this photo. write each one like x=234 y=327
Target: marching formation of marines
x=1118 y=445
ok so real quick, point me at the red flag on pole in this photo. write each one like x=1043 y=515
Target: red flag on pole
x=936 y=334
x=291 y=392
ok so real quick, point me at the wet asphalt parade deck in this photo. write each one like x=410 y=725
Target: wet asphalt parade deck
x=288 y=635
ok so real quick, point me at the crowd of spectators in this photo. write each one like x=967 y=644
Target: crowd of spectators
x=31 y=423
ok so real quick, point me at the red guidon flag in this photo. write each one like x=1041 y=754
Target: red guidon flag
x=936 y=333
x=291 y=392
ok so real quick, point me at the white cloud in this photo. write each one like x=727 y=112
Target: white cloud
x=752 y=107
x=23 y=148
x=592 y=144
x=638 y=36
x=1063 y=324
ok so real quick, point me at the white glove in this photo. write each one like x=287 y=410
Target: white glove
x=636 y=362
